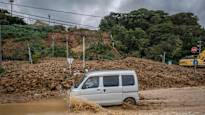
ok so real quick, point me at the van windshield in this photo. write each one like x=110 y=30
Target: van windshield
x=79 y=82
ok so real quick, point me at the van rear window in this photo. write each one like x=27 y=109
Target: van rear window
x=128 y=80
x=111 y=81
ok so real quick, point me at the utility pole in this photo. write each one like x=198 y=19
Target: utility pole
x=67 y=52
x=199 y=45
x=113 y=43
x=11 y=2
x=49 y=17
x=29 y=53
x=83 y=52
x=164 y=57
x=195 y=63
x=53 y=45
x=69 y=58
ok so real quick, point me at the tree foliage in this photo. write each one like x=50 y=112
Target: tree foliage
x=147 y=33
x=7 y=19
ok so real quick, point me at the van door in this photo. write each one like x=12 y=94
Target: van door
x=91 y=89
x=129 y=86
x=111 y=90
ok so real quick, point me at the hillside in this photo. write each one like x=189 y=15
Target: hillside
x=23 y=82
x=139 y=33
x=98 y=44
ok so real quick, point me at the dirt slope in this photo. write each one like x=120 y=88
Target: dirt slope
x=51 y=77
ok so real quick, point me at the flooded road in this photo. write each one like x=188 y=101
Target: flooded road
x=182 y=101
x=46 y=107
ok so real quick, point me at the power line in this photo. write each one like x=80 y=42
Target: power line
x=48 y=9
x=43 y=20
x=54 y=22
x=69 y=22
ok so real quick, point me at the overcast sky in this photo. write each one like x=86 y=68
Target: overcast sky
x=104 y=7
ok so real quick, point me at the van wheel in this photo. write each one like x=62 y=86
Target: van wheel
x=130 y=101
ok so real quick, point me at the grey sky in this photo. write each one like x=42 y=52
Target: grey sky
x=104 y=7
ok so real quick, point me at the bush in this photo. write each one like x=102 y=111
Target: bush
x=99 y=51
x=2 y=71
x=25 y=32
x=59 y=51
x=36 y=56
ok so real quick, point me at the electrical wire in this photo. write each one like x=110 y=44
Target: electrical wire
x=41 y=20
x=34 y=7
x=56 y=20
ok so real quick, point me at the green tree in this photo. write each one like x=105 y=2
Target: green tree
x=130 y=41
x=6 y=19
x=147 y=33
x=184 y=19
x=171 y=44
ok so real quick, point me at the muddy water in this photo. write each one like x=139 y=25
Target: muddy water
x=47 y=107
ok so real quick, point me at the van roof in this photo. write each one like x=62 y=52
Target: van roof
x=100 y=72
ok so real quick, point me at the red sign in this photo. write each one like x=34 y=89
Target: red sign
x=194 y=49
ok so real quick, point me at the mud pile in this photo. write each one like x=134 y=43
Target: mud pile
x=42 y=80
x=154 y=74
x=51 y=77
x=78 y=104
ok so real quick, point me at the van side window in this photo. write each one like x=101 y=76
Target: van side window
x=111 y=81
x=128 y=80
x=92 y=82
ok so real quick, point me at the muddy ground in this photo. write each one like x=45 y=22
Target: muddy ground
x=30 y=89
x=24 y=82
x=171 y=101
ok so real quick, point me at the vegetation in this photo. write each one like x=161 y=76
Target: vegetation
x=141 y=33
x=7 y=19
x=98 y=51
x=15 y=28
x=2 y=71
x=25 y=32
x=147 y=33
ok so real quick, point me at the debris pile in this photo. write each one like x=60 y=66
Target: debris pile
x=51 y=77
x=153 y=74
x=78 y=104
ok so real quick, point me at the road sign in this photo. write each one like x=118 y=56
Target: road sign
x=195 y=62
x=194 y=50
x=70 y=60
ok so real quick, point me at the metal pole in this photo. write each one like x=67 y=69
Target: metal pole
x=11 y=1
x=0 y=46
x=53 y=45
x=194 y=64
x=199 y=46
x=113 y=43
x=164 y=57
x=83 y=53
x=11 y=9
x=49 y=17
x=69 y=100
x=29 y=53
x=67 y=53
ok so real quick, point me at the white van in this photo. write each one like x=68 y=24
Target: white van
x=111 y=87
